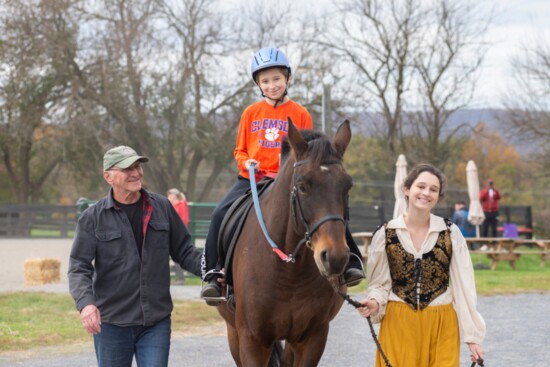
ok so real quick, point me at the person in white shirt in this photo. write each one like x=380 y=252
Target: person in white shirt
x=421 y=282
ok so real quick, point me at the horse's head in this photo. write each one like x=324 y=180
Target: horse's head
x=320 y=187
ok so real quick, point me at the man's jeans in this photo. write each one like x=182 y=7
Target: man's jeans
x=115 y=345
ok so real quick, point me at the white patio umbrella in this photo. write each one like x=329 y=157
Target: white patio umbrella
x=400 y=175
x=475 y=214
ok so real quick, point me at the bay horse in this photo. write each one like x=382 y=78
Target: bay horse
x=292 y=301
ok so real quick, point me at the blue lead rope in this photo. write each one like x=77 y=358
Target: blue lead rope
x=258 y=210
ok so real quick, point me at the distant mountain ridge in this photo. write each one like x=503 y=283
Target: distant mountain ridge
x=493 y=117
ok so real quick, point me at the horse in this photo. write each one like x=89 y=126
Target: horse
x=292 y=301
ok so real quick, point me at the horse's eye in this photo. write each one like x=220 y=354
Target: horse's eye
x=302 y=189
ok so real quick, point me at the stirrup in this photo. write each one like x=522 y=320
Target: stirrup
x=216 y=300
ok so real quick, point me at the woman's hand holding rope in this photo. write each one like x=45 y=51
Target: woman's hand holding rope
x=369 y=307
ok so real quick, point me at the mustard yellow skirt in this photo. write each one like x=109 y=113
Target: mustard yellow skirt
x=427 y=338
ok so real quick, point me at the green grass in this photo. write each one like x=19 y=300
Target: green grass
x=528 y=276
x=44 y=233
x=37 y=319
x=29 y=320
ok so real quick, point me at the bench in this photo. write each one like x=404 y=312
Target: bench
x=544 y=255
x=511 y=256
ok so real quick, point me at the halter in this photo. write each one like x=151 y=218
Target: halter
x=295 y=198
x=296 y=203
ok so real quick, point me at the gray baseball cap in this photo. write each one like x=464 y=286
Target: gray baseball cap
x=122 y=157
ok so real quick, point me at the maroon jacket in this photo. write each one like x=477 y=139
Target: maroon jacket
x=489 y=204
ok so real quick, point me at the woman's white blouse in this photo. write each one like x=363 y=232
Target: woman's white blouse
x=461 y=292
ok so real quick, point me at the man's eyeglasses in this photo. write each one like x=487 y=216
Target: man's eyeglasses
x=128 y=170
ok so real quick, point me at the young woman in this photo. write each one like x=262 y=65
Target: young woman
x=418 y=268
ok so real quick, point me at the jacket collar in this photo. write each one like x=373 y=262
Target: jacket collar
x=110 y=203
x=437 y=224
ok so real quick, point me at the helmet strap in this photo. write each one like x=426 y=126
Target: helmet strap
x=277 y=101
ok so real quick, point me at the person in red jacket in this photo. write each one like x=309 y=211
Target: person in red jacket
x=489 y=198
x=179 y=201
x=262 y=128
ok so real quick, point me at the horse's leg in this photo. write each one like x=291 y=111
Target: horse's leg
x=288 y=356
x=308 y=352
x=254 y=353
x=233 y=339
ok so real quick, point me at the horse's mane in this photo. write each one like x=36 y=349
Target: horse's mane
x=320 y=148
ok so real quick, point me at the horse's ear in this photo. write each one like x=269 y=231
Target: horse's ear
x=297 y=142
x=342 y=137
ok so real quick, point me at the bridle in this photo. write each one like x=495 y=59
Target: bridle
x=297 y=204
x=296 y=208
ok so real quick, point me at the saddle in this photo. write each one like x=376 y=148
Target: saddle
x=232 y=225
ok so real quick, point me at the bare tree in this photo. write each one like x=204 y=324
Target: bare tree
x=33 y=82
x=377 y=39
x=203 y=113
x=528 y=101
x=447 y=65
x=416 y=61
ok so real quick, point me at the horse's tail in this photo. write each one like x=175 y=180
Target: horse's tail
x=276 y=354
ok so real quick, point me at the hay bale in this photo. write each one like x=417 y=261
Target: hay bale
x=41 y=271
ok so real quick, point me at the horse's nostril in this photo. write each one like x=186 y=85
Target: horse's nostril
x=325 y=258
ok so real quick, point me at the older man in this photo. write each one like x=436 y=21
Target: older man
x=119 y=273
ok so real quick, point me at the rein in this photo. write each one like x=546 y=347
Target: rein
x=258 y=210
x=295 y=203
x=356 y=304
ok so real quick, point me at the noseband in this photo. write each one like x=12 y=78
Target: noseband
x=296 y=204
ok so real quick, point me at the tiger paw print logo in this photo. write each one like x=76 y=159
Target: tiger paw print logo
x=272 y=134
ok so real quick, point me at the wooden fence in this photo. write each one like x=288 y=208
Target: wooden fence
x=55 y=221
x=59 y=221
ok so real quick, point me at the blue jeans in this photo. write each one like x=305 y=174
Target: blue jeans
x=115 y=346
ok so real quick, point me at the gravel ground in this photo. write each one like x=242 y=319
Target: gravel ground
x=518 y=335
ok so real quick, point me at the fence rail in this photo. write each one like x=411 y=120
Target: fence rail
x=37 y=220
x=59 y=221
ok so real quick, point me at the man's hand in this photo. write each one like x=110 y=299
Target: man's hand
x=91 y=319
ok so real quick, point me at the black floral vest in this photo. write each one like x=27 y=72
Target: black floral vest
x=418 y=282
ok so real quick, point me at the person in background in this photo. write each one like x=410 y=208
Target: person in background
x=421 y=282
x=262 y=128
x=179 y=201
x=460 y=218
x=119 y=272
x=489 y=198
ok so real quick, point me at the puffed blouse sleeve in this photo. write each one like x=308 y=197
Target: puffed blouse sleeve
x=378 y=273
x=463 y=290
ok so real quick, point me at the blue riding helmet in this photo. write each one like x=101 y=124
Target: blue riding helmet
x=267 y=58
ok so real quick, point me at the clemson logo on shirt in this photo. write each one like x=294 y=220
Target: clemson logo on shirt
x=272 y=134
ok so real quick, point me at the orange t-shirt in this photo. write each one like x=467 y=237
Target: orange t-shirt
x=261 y=132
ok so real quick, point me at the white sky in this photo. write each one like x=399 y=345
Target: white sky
x=516 y=22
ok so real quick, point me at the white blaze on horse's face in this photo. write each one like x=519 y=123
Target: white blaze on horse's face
x=324 y=168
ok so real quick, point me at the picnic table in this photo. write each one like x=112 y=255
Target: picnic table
x=506 y=249
x=365 y=238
